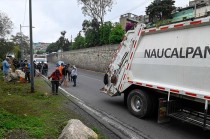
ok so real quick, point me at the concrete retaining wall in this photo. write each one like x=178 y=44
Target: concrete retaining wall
x=94 y=58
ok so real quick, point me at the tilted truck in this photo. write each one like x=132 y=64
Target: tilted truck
x=170 y=63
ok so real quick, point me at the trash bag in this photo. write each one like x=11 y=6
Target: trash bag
x=20 y=73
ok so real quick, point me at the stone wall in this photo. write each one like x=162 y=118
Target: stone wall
x=94 y=58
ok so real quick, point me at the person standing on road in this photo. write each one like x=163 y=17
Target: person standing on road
x=69 y=72
x=56 y=76
x=61 y=67
x=74 y=75
x=64 y=75
x=6 y=67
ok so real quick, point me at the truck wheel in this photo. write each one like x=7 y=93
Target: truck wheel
x=139 y=103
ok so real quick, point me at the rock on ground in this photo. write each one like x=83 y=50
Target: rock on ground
x=75 y=129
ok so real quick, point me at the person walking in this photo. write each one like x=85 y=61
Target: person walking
x=64 y=75
x=6 y=67
x=69 y=72
x=56 y=76
x=74 y=75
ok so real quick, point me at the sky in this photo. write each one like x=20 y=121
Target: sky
x=50 y=17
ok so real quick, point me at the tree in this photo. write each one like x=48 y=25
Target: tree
x=116 y=34
x=160 y=10
x=5 y=25
x=40 y=52
x=63 y=42
x=5 y=47
x=91 y=30
x=53 y=47
x=104 y=33
x=96 y=9
x=79 y=42
x=21 y=40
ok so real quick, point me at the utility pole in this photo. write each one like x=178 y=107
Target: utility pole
x=31 y=47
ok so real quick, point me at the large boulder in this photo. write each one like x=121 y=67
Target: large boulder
x=75 y=129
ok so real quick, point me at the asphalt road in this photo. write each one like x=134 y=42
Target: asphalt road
x=87 y=89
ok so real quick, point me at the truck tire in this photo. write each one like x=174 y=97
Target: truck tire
x=139 y=103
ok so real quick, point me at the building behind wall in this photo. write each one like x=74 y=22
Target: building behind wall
x=199 y=2
x=131 y=18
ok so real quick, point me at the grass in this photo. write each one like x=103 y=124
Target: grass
x=31 y=115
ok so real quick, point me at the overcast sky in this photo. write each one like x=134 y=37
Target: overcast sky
x=50 y=17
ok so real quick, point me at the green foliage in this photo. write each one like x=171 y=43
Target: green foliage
x=96 y=34
x=91 y=38
x=63 y=43
x=39 y=115
x=40 y=52
x=17 y=51
x=5 y=47
x=53 y=47
x=160 y=10
x=91 y=30
x=116 y=34
x=21 y=40
x=79 y=42
x=104 y=33
x=12 y=121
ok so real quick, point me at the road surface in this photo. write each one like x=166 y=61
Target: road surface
x=87 y=89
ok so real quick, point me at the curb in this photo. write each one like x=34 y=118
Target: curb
x=117 y=127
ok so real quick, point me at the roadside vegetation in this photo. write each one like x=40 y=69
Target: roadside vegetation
x=32 y=115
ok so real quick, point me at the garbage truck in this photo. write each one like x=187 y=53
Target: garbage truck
x=164 y=70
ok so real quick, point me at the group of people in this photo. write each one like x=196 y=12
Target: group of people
x=61 y=75
x=14 y=64
x=42 y=67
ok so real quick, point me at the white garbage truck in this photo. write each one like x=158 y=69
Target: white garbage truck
x=164 y=67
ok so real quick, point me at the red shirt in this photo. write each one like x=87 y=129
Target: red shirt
x=56 y=75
